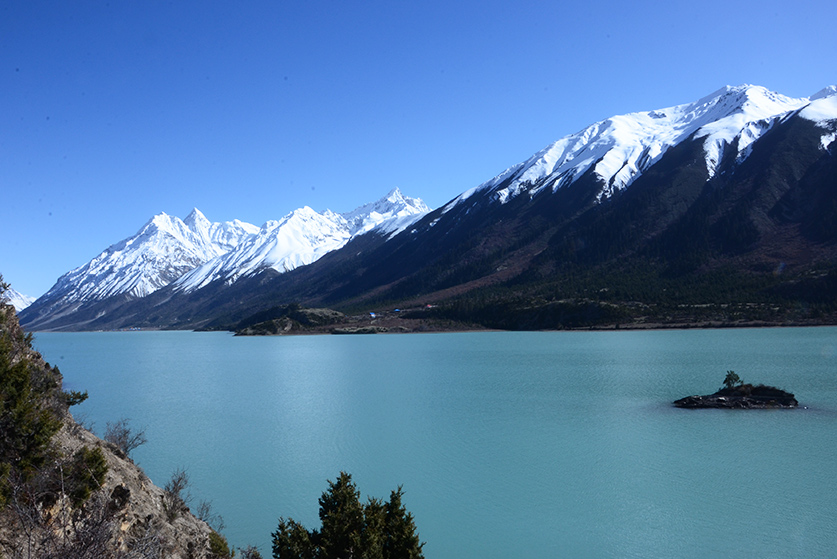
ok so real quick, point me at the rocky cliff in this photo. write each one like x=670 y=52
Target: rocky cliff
x=65 y=492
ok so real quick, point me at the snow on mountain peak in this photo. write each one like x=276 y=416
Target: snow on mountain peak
x=828 y=91
x=161 y=220
x=299 y=238
x=395 y=208
x=823 y=106
x=743 y=113
x=16 y=299
x=619 y=149
x=734 y=97
x=196 y=220
x=304 y=236
x=161 y=251
x=823 y=111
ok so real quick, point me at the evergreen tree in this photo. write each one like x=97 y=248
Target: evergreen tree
x=341 y=515
x=351 y=530
x=401 y=538
x=292 y=541
x=374 y=530
x=85 y=474
x=27 y=422
x=732 y=380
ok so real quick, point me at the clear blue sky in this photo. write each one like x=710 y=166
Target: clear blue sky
x=111 y=112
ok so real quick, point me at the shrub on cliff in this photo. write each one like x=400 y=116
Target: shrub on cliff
x=218 y=546
x=43 y=493
x=124 y=437
x=85 y=475
x=53 y=499
x=28 y=419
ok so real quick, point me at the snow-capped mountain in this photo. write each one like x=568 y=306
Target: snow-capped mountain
x=621 y=148
x=302 y=237
x=390 y=215
x=16 y=299
x=823 y=110
x=196 y=251
x=743 y=171
x=741 y=180
x=163 y=250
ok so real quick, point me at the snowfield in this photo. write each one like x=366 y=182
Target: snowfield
x=194 y=251
x=619 y=149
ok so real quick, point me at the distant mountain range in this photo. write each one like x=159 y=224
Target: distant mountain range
x=302 y=237
x=723 y=210
x=192 y=253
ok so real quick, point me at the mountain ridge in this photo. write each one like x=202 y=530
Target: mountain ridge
x=637 y=140
x=302 y=237
x=673 y=194
x=194 y=252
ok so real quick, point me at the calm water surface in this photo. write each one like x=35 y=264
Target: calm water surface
x=536 y=445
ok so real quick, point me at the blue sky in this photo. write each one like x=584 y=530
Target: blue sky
x=111 y=112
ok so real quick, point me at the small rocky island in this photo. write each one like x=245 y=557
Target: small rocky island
x=737 y=395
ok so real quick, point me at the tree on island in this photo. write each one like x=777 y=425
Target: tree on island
x=376 y=530
x=737 y=395
x=732 y=380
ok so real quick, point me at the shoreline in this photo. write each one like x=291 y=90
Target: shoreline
x=435 y=329
x=425 y=326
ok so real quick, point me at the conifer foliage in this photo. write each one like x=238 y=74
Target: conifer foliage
x=43 y=493
x=350 y=529
x=27 y=419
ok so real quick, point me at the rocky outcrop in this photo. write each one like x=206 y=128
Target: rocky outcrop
x=142 y=515
x=45 y=512
x=745 y=396
x=286 y=320
x=275 y=327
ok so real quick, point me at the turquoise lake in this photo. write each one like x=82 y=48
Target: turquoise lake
x=535 y=445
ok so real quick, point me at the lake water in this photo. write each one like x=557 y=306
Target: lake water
x=535 y=445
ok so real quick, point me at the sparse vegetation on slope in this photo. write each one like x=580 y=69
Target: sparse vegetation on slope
x=66 y=494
